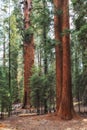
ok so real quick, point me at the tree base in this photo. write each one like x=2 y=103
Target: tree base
x=64 y=116
x=26 y=107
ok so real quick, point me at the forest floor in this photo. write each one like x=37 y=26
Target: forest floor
x=44 y=122
x=27 y=121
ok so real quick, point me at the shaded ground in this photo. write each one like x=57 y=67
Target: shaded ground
x=42 y=123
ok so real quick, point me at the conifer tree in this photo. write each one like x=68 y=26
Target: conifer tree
x=64 y=88
x=28 y=52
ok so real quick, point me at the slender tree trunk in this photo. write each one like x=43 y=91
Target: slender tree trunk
x=28 y=55
x=2 y=110
x=45 y=72
x=38 y=103
x=45 y=55
x=66 y=105
x=4 y=52
x=76 y=82
x=58 y=49
x=10 y=91
x=39 y=58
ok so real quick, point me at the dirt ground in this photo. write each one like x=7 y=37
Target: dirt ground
x=44 y=122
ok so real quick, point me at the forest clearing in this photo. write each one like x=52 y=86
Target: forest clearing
x=43 y=64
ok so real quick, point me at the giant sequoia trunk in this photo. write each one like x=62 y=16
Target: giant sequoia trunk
x=58 y=49
x=63 y=65
x=28 y=54
x=66 y=106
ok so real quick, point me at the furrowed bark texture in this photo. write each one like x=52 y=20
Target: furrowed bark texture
x=58 y=49
x=65 y=110
x=28 y=55
x=63 y=63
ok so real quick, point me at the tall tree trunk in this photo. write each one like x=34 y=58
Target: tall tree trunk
x=77 y=87
x=9 y=44
x=45 y=72
x=58 y=49
x=2 y=108
x=66 y=106
x=45 y=55
x=28 y=54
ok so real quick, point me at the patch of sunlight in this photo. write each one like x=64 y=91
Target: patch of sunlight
x=76 y=103
x=6 y=129
x=68 y=129
x=30 y=114
x=85 y=120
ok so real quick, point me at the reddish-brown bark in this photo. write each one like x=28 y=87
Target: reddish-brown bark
x=58 y=49
x=63 y=64
x=66 y=107
x=28 y=55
